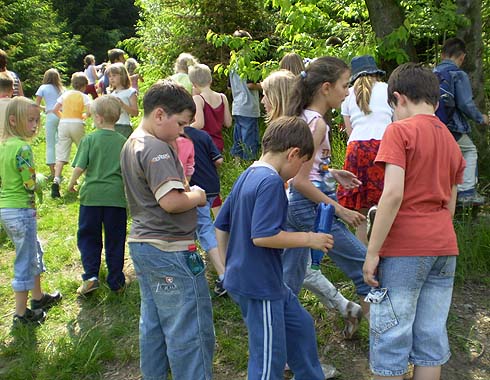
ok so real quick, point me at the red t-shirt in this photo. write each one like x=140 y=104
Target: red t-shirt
x=433 y=163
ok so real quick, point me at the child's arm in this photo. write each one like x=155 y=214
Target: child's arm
x=303 y=184
x=24 y=160
x=254 y=86
x=284 y=239
x=38 y=102
x=452 y=202
x=176 y=201
x=348 y=125
x=77 y=172
x=199 y=116
x=132 y=108
x=388 y=206
x=218 y=162
x=227 y=121
x=57 y=110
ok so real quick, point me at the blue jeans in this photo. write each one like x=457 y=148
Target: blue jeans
x=91 y=220
x=176 y=322
x=348 y=253
x=245 y=137
x=205 y=226
x=409 y=313
x=280 y=331
x=21 y=227
x=51 y=126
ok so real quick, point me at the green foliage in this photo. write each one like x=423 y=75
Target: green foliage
x=34 y=40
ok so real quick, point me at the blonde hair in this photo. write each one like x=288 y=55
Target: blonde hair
x=18 y=107
x=131 y=65
x=200 y=75
x=278 y=87
x=108 y=107
x=89 y=60
x=293 y=63
x=52 y=76
x=183 y=61
x=79 y=80
x=363 y=87
x=119 y=68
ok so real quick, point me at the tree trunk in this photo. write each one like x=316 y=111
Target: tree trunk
x=385 y=17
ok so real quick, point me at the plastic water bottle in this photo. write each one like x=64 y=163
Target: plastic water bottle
x=323 y=223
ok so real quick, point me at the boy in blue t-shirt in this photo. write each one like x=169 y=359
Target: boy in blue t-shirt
x=250 y=229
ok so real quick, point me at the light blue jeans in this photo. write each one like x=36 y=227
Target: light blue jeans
x=21 y=227
x=470 y=154
x=205 y=227
x=51 y=127
x=408 y=313
x=245 y=137
x=176 y=322
x=348 y=252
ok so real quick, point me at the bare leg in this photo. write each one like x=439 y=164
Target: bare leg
x=427 y=373
x=20 y=302
x=51 y=170
x=216 y=260
x=361 y=231
x=37 y=293
x=58 y=168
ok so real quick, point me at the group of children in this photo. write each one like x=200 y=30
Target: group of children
x=260 y=247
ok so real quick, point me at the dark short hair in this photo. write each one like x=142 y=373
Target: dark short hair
x=288 y=132
x=114 y=54
x=417 y=83
x=6 y=82
x=170 y=96
x=453 y=47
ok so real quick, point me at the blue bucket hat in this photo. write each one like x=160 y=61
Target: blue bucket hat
x=364 y=65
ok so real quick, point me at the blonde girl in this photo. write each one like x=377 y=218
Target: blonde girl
x=90 y=71
x=321 y=87
x=277 y=89
x=18 y=184
x=181 y=70
x=366 y=115
x=120 y=87
x=50 y=91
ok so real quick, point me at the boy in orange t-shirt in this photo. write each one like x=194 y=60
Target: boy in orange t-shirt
x=411 y=256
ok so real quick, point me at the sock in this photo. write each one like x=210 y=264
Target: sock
x=57 y=180
x=221 y=277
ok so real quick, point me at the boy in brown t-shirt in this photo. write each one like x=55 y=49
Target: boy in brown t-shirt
x=176 y=323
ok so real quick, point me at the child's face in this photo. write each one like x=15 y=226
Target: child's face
x=32 y=121
x=339 y=90
x=114 y=79
x=170 y=127
x=267 y=104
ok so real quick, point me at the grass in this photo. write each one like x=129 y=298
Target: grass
x=97 y=337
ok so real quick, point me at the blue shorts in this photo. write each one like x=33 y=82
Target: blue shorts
x=21 y=227
x=409 y=312
x=205 y=226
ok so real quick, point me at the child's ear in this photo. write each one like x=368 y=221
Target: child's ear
x=12 y=120
x=293 y=153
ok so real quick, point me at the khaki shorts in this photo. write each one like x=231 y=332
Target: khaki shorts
x=68 y=133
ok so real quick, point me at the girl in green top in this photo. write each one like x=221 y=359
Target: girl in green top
x=18 y=183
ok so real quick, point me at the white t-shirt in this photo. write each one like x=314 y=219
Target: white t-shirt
x=124 y=95
x=372 y=126
x=50 y=94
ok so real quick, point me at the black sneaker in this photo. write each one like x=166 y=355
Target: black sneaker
x=55 y=190
x=30 y=317
x=46 y=301
x=218 y=288
x=370 y=220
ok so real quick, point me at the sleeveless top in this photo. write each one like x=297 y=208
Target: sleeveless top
x=213 y=122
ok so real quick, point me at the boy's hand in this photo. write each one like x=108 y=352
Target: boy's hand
x=202 y=193
x=71 y=187
x=370 y=269
x=345 y=178
x=351 y=217
x=320 y=241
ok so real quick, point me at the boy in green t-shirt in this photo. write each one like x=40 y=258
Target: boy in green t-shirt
x=102 y=199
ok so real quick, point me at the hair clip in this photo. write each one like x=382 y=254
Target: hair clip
x=303 y=74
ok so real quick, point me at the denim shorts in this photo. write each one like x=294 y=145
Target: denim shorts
x=348 y=253
x=409 y=312
x=176 y=322
x=205 y=227
x=21 y=227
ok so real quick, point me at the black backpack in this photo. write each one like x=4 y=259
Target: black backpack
x=447 y=102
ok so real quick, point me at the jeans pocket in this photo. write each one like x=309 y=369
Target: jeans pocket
x=382 y=315
x=167 y=289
